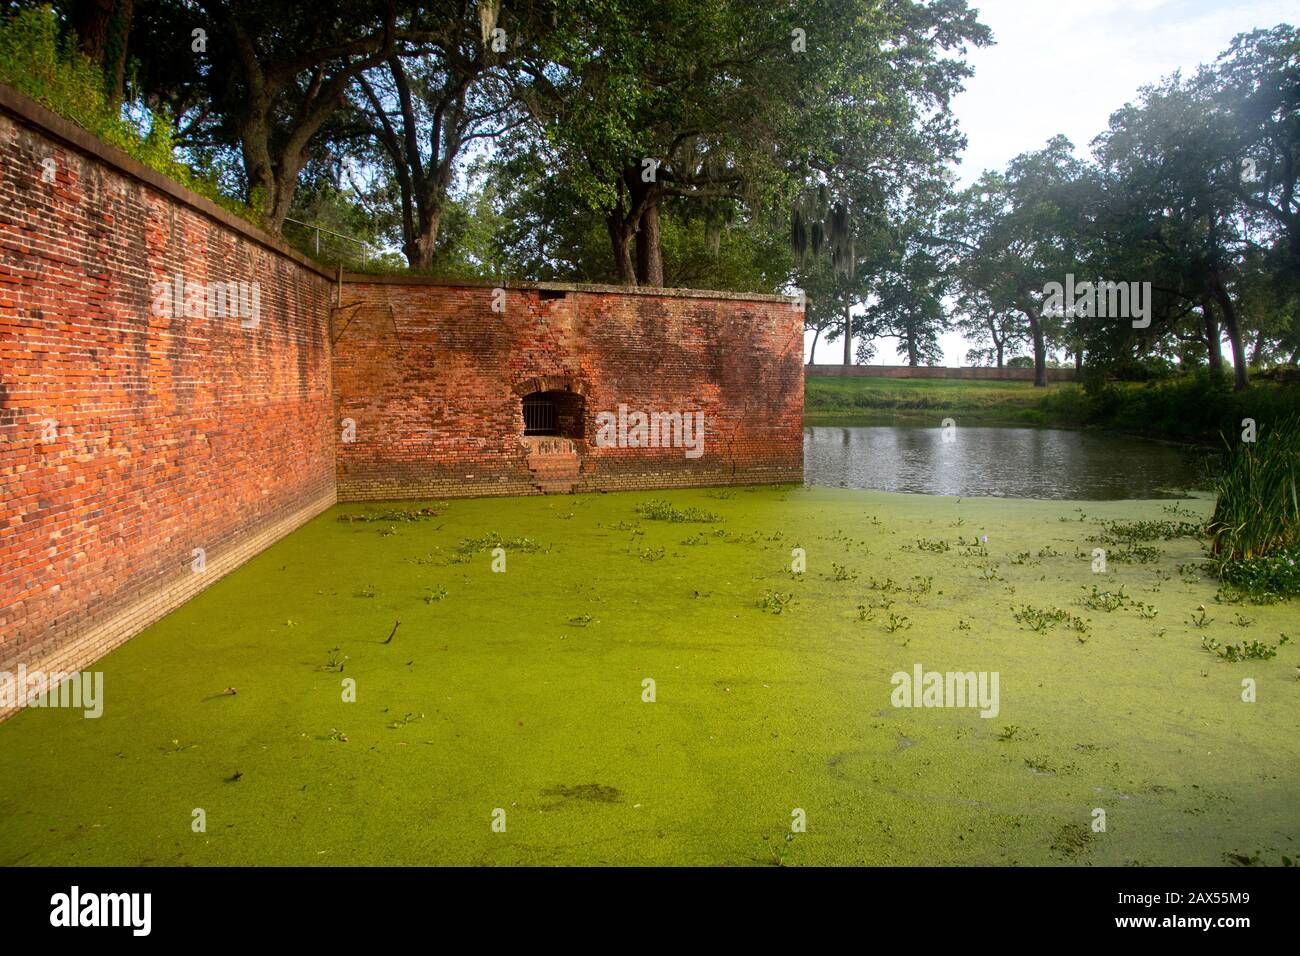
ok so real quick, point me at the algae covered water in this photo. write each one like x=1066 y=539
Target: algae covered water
x=648 y=681
x=1000 y=462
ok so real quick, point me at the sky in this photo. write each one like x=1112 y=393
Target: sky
x=1063 y=66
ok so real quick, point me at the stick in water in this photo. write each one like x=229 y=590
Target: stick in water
x=390 y=636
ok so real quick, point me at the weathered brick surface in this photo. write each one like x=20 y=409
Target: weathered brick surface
x=129 y=438
x=170 y=434
x=433 y=378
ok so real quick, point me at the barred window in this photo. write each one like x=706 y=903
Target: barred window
x=540 y=415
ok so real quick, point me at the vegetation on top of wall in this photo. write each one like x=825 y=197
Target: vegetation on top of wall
x=51 y=70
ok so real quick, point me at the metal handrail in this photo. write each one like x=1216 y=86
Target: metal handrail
x=365 y=248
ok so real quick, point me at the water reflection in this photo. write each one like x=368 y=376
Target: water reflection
x=998 y=462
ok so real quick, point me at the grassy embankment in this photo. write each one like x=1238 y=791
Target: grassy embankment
x=919 y=401
x=524 y=691
x=1188 y=408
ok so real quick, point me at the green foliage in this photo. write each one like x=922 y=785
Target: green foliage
x=1258 y=509
x=842 y=573
x=831 y=399
x=738 y=120
x=1125 y=535
x=1096 y=600
x=659 y=510
x=339 y=212
x=746 y=257
x=1044 y=619
x=1245 y=651
x=897 y=622
x=1264 y=578
x=908 y=286
x=53 y=71
x=1127 y=532
x=544 y=231
x=1193 y=407
x=388 y=515
x=1010 y=231
x=337 y=659
x=472 y=546
x=775 y=601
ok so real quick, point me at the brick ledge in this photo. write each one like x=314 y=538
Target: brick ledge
x=88 y=647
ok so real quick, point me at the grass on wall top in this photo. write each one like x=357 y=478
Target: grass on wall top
x=34 y=61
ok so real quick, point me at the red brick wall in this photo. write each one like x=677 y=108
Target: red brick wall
x=130 y=437
x=172 y=433
x=432 y=377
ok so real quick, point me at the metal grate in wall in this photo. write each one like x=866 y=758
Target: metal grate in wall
x=540 y=417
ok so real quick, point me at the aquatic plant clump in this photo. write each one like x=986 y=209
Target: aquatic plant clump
x=1258 y=506
x=658 y=510
x=1265 y=577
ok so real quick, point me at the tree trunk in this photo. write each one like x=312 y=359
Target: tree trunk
x=1257 y=349
x=812 y=356
x=275 y=209
x=1040 y=351
x=103 y=28
x=420 y=253
x=620 y=239
x=623 y=223
x=1039 y=339
x=273 y=154
x=1213 y=338
x=848 y=335
x=649 y=253
x=1240 y=379
x=272 y=180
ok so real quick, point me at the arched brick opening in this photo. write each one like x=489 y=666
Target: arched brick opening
x=553 y=414
x=549 y=383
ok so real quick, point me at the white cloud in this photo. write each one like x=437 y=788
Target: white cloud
x=1063 y=66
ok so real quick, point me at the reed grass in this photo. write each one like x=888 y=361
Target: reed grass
x=1258 y=509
